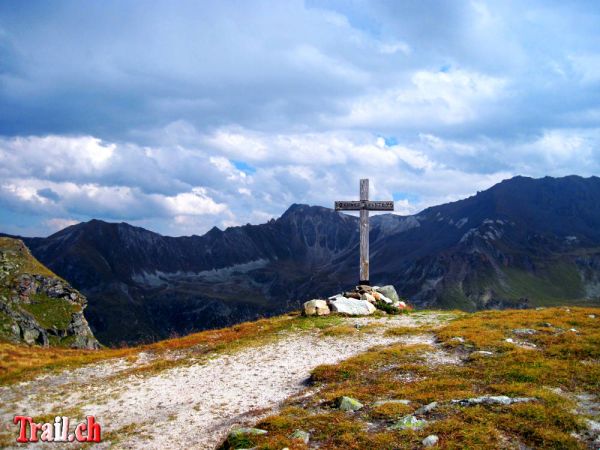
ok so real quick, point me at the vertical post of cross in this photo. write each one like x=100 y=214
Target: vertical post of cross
x=364 y=205
x=364 y=233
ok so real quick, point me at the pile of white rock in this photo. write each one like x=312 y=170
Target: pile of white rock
x=362 y=300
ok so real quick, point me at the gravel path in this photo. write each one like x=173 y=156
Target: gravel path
x=194 y=405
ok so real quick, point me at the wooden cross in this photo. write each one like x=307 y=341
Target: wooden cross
x=364 y=205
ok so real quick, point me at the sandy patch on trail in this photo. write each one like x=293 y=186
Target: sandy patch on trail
x=205 y=399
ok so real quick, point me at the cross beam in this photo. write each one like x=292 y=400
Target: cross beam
x=364 y=205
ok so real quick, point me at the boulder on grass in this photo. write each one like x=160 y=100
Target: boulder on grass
x=348 y=404
x=430 y=441
x=352 y=307
x=316 y=308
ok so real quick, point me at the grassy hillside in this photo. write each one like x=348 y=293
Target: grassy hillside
x=19 y=260
x=556 y=366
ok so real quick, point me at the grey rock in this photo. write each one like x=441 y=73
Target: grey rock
x=430 y=441
x=352 y=307
x=427 y=408
x=31 y=336
x=390 y=292
x=524 y=331
x=348 y=404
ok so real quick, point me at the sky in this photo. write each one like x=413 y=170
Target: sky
x=178 y=116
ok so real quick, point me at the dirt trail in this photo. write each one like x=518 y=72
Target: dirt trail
x=195 y=404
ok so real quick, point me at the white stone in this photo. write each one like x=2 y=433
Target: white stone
x=352 y=307
x=385 y=299
x=316 y=308
x=430 y=440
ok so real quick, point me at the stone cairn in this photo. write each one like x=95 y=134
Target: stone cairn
x=362 y=300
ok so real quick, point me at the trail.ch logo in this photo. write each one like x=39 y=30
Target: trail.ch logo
x=88 y=431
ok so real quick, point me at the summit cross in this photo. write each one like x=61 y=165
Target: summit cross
x=364 y=205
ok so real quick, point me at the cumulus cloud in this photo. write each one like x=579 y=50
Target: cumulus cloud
x=199 y=114
x=446 y=97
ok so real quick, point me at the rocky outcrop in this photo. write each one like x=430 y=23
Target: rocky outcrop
x=361 y=301
x=37 y=307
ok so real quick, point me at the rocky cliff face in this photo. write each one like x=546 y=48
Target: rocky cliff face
x=523 y=242
x=37 y=307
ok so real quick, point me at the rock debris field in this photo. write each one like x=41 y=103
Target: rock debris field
x=196 y=403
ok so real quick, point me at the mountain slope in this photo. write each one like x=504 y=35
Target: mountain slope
x=36 y=307
x=146 y=286
x=522 y=242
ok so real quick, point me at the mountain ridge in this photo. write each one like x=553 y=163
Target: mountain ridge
x=523 y=242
